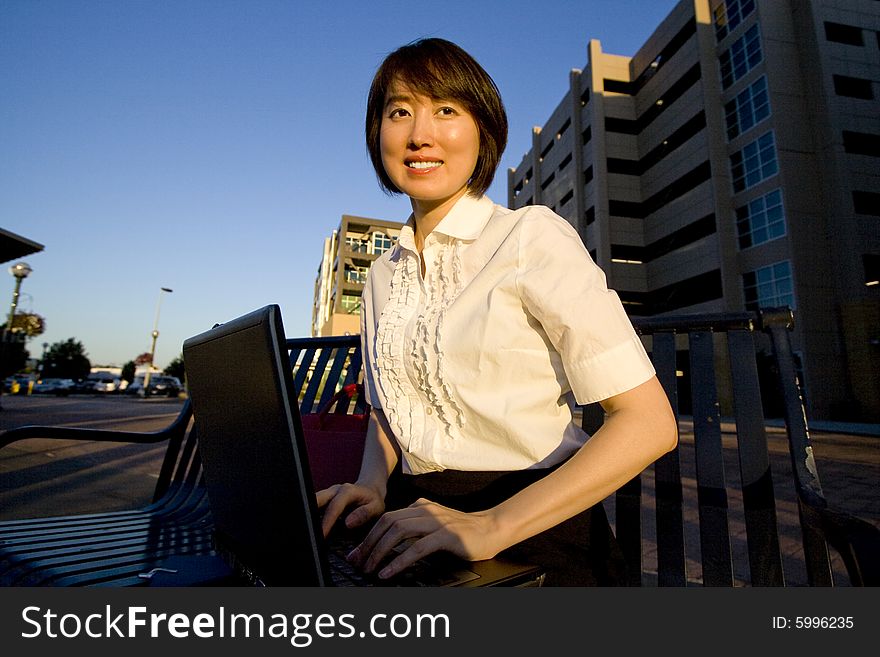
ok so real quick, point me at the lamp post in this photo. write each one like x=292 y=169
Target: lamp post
x=20 y=270
x=155 y=335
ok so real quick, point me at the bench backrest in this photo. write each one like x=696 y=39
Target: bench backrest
x=320 y=367
x=732 y=380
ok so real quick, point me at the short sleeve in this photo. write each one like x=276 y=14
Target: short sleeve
x=562 y=288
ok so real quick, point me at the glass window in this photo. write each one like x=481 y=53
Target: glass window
x=769 y=287
x=742 y=56
x=357 y=244
x=754 y=163
x=730 y=14
x=356 y=274
x=760 y=220
x=351 y=303
x=749 y=108
x=381 y=243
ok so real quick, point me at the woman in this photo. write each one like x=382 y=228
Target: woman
x=478 y=328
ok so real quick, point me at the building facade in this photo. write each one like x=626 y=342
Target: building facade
x=348 y=254
x=732 y=164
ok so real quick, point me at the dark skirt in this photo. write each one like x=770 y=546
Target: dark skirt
x=581 y=551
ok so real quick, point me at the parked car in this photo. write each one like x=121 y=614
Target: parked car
x=60 y=387
x=103 y=382
x=17 y=383
x=160 y=385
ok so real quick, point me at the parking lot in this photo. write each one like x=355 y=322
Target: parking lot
x=48 y=477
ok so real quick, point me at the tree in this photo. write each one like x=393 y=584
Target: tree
x=66 y=360
x=128 y=371
x=31 y=324
x=176 y=368
x=13 y=355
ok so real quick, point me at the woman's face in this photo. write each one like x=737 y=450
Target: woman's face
x=429 y=147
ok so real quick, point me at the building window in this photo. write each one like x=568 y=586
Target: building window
x=566 y=199
x=357 y=244
x=847 y=34
x=853 y=87
x=769 y=287
x=871 y=264
x=760 y=220
x=351 y=304
x=565 y=162
x=730 y=14
x=563 y=128
x=749 y=108
x=382 y=243
x=861 y=143
x=754 y=163
x=742 y=56
x=866 y=202
x=356 y=274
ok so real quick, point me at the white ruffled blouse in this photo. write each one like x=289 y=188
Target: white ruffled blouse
x=478 y=364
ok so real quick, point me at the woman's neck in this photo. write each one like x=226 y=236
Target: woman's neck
x=428 y=214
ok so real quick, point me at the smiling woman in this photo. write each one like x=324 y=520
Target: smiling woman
x=476 y=348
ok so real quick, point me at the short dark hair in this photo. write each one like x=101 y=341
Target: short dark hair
x=440 y=69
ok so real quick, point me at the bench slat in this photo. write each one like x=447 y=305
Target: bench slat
x=711 y=488
x=759 y=501
x=671 y=563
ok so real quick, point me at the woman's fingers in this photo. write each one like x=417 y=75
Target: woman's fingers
x=410 y=534
x=336 y=499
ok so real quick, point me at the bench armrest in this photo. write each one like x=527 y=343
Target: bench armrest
x=858 y=543
x=177 y=427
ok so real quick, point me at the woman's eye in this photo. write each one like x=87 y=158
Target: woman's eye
x=397 y=113
x=447 y=111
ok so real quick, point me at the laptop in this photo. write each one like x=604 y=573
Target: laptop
x=257 y=477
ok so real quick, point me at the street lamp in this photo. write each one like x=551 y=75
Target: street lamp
x=20 y=270
x=155 y=335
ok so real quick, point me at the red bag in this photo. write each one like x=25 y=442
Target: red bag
x=335 y=441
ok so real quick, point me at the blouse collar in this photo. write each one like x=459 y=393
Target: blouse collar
x=465 y=221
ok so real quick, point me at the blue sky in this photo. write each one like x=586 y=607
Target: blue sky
x=209 y=146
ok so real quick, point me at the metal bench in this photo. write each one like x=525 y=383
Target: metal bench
x=651 y=512
x=114 y=548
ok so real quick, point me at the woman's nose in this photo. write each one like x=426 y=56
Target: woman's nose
x=422 y=132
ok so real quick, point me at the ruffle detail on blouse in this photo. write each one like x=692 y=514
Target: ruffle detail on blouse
x=402 y=302
x=444 y=283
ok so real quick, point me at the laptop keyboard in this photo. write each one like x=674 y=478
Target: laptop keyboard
x=435 y=570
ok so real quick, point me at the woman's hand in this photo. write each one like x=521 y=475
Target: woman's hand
x=422 y=528
x=368 y=503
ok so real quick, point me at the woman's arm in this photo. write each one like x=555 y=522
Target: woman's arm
x=381 y=454
x=639 y=428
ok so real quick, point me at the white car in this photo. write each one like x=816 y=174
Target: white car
x=104 y=382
